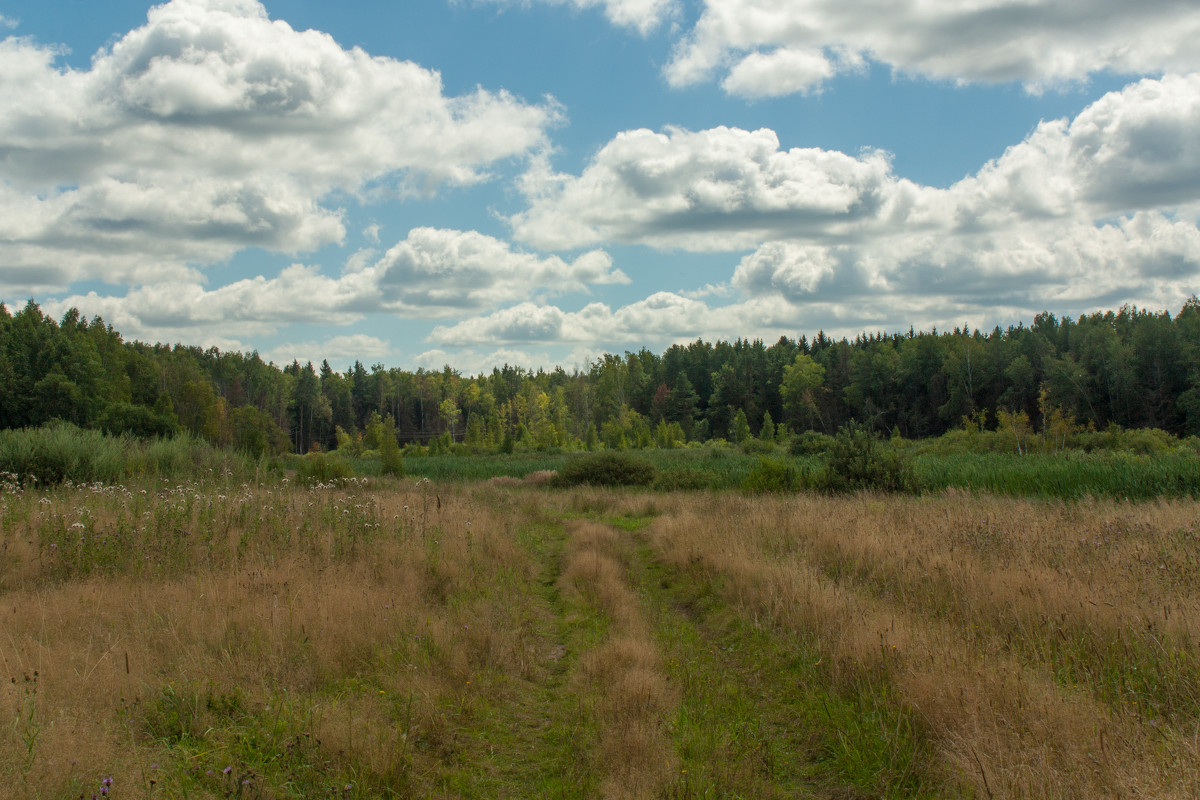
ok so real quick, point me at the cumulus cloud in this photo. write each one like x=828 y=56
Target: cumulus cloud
x=1147 y=258
x=778 y=73
x=213 y=128
x=662 y=315
x=713 y=190
x=1085 y=213
x=434 y=273
x=727 y=189
x=772 y=47
x=640 y=15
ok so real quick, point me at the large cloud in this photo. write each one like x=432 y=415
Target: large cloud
x=772 y=47
x=434 y=273
x=1149 y=258
x=213 y=128
x=719 y=189
x=1087 y=213
x=729 y=189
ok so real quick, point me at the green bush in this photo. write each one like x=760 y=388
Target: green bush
x=61 y=451
x=138 y=421
x=758 y=447
x=391 y=462
x=810 y=443
x=858 y=459
x=322 y=468
x=772 y=476
x=606 y=468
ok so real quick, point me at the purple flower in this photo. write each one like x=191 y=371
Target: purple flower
x=227 y=770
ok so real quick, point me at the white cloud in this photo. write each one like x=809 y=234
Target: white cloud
x=213 y=128
x=1087 y=213
x=1041 y=43
x=1148 y=258
x=778 y=73
x=726 y=189
x=641 y=15
x=436 y=272
x=7 y=22
x=716 y=190
x=662 y=315
x=339 y=351
x=477 y=362
x=433 y=273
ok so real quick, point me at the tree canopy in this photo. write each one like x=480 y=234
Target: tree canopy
x=1134 y=368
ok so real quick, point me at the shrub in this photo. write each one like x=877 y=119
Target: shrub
x=859 y=460
x=138 y=421
x=607 y=468
x=810 y=443
x=391 y=462
x=772 y=475
x=62 y=451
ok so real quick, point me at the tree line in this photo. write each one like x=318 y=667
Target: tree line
x=1132 y=368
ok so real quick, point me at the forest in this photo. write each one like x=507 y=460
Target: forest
x=1131 y=368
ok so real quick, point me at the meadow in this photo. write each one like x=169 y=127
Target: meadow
x=233 y=635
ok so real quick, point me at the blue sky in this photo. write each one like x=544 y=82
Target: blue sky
x=475 y=182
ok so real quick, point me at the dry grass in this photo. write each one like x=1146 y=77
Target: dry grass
x=1015 y=629
x=409 y=603
x=416 y=640
x=624 y=671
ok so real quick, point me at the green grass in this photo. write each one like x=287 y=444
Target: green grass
x=1069 y=476
x=683 y=468
x=759 y=716
x=62 y=452
x=532 y=736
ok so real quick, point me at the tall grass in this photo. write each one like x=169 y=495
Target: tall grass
x=1046 y=649
x=63 y=452
x=1067 y=476
x=712 y=467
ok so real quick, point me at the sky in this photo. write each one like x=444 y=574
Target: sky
x=538 y=182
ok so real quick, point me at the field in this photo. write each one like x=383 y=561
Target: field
x=501 y=639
